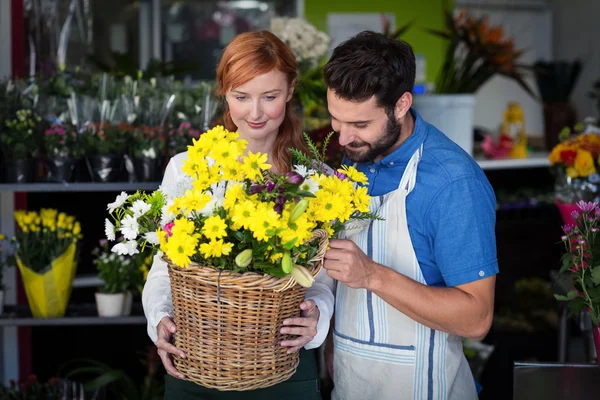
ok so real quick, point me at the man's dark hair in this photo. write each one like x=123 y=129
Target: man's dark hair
x=370 y=64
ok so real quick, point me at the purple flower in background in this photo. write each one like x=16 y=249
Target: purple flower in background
x=587 y=205
x=256 y=189
x=294 y=178
x=280 y=199
x=575 y=214
x=278 y=208
x=270 y=187
x=340 y=175
x=567 y=228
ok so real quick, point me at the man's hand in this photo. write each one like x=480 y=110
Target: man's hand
x=305 y=326
x=348 y=264
x=166 y=329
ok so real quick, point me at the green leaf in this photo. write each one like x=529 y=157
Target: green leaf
x=290 y=245
x=305 y=193
x=596 y=275
x=570 y=296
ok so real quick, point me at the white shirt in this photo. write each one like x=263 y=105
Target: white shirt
x=156 y=296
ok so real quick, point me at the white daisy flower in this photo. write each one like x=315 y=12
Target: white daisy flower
x=166 y=216
x=140 y=208
x=109 y=230
x=309 y=185
x=130 y=227
x=152 y=238
x=126 y=248
x=119 y=201
x=301 y=169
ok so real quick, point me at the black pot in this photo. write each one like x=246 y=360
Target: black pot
x=19 y=171
x=60 y=169
x=105 y=168
x=145 y=169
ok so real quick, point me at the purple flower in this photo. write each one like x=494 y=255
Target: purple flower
x=294 y=178
x=278 y=208
x=575 y=214
x=595 y=229
x=564 y=238
x=270 y=187
x=49 y=132
x=567 y=228
x=587 y=205
x=256 y=189
x=340 y=175
x=280 y=199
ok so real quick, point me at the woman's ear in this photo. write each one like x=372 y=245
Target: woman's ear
x=291 y=91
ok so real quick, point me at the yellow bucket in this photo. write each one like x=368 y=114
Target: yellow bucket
x=48 y=293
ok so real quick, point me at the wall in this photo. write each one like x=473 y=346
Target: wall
x=427 y=13
x=576 y=30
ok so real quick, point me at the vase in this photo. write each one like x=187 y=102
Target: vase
x=19 y=171
x=566 y=209
x=450 y=113
x=597 y=343
x=48 y=291
x=556 y=117
x=145 y=169
x=110 y=304
x=104 y=167
x=60 y=169
x=127 y=304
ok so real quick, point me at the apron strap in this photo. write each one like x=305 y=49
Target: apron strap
x=409 y=177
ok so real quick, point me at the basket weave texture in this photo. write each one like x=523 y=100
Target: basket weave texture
x=228 y=324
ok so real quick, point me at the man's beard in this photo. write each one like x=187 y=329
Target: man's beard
x=391 y=135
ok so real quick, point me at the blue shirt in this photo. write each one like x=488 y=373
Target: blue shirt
x=451 y=211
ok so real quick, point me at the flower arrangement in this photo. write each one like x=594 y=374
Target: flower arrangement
x=575 y=161
x=61 y=141
x=44 y=236
x=476 y=52
x=103 y=139
x=19 y=139
x=32 y=388
x=580 y=261
x=232 y=213
x=146 y=142
x=121 y=273
x=179 y=139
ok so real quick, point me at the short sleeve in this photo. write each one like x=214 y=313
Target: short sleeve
x=462 y=220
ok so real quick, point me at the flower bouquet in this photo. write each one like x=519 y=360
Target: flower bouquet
x=574 y=162
x=242 y=244
x=46 y=254
x=581 y=262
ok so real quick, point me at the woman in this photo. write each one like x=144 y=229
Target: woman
x=256 y=75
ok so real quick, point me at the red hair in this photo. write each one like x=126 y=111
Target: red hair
x=252 y=54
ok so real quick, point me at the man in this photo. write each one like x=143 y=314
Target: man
x=412 y=285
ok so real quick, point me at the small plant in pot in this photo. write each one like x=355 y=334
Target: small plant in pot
x=146 y=147
x=104 y=146
x=5 y=260
x=113 y=270
x=63 y=150
x=19 y=142
x=179 y=139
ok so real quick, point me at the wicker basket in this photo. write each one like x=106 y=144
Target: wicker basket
x=228 y=324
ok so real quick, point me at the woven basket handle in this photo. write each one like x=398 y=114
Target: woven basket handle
x=323 y=238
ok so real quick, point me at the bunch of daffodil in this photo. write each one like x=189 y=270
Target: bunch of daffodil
x=43 y=236
x=236 y=214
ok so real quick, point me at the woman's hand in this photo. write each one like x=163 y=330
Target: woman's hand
x=305 y=327
x=166 y=328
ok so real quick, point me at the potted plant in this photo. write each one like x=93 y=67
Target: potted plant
x=112 y=269
x=19 y=141
x=179 y=139
x=104 y=146
x=146 y=146
x=581 y=261
x=32 y=389
x=476 y=52
x=63 y=151
x=46 y=254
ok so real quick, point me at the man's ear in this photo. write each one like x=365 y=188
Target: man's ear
x=403 y=105
x=292 y=88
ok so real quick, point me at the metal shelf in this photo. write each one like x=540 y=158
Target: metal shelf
x=78 y=187
x=82 y=314
x=535 y=160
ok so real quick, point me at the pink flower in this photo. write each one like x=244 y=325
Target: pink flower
x=587 y=205
x=49 y=132
x=167 y=228
x=567 y=228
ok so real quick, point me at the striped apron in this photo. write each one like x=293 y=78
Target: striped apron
x=380 y=353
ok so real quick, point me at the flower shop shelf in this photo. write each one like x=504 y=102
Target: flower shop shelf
x=79 y=187
x=81 y=314
x=534 y=160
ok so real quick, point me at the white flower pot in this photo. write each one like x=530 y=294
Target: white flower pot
x=450 y=113
x=127 y=303
x=1 y=301
x=110 y=305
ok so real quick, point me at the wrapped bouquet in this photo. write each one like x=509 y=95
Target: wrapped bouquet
x=242 y=244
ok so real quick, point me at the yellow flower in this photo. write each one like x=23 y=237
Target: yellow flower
x=265 y=221
x=193 y=200
x=77 y=228
x=353 y=174
x=233 y=170
x=572 y=172
x=361 y=199
x=180 y=248
x=215 y=248
x=2 y=236
x=241 y=214
x=275 y=256
x=183 y=226
x=329 y=206
x=254 y=164
x=214 y=228
x=301 y=230
x=234 y=194
x=224 y=152
x=584 y=163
